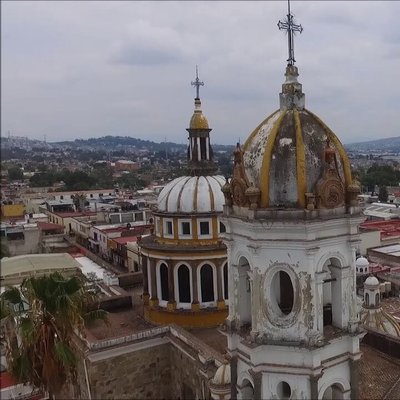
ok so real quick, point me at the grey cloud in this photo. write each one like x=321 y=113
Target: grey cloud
x=76 y=69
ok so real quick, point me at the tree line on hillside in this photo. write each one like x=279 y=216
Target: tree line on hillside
x=378 y=175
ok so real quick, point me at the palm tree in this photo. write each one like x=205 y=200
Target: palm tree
x=48 y=311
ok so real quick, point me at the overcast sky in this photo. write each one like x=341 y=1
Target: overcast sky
x=89 y=69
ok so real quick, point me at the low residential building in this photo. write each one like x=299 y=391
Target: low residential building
x=15 y=269
x=20 y=238
x=126 y=165
x=65 y=218
x=382 y=211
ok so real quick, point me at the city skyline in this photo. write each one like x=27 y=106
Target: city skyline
x=89 y=69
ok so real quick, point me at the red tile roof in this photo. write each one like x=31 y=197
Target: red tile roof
x=47 y=226
x=388 y=229
x=125 y=239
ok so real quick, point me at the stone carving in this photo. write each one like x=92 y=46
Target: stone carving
x=253 y=194
x=226 y=190
x=330 y=189
x=239 y=183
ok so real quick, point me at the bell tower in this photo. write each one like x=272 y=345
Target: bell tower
x=291 y=217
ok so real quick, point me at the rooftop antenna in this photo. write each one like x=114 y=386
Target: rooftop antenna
x=197 y=83
x=290 y=27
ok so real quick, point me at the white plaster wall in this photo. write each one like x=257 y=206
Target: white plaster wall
x=304 y=254
x=302 y=248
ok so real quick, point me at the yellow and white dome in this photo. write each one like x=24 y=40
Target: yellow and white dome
x=292 y=159
x=192 y=194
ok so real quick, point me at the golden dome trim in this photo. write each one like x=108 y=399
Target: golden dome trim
x=266 y=161
x=211 y=194
x=196 y=188
x=254 y=133
x=300 y=161
x=338 y=145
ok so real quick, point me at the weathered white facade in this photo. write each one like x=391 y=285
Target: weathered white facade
x=291 y=218
x=293 y=346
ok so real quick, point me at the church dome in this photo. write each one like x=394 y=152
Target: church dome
x=222 y=375
x=192 y=194
x=362 y=262
x=371 y=281
x=198 y=120
x=292 y=156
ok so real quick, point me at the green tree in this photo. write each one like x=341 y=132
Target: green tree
x=131 y=181
x=50 y=309
x=15 y=174
x=383 y=194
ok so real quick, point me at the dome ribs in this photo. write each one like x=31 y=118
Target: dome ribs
x=180 y=194
x=266 y=162
x=300 y=161
x=211 y=194
x=195 y=193
x=339 y=147
x=169 y=192
x=254 y=133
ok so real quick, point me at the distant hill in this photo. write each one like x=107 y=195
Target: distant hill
x=382 y=145
x=127 y=142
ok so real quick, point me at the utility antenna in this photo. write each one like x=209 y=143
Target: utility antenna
x=44 y=137
x=197 y=83
x=166 y=150
x=290 y=27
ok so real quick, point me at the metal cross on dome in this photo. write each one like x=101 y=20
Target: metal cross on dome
x=197 y=83
x=290 y=26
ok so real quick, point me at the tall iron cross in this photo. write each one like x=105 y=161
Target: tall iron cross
x=197 y=83
x=290 y=26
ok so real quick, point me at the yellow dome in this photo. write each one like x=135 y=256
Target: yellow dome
x=287 y=155
x=292 y=160
x=198 y=121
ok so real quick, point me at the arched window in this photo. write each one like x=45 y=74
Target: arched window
x=184 y=284
x=367 y=299
x=284 y=390
x=225 y=275
x=207 y=283
x=377 y=300
x=164 y=282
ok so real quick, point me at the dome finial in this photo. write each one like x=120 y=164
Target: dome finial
x=197 y=83
x=290 y=27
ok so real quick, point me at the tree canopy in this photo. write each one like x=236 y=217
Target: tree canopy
x=47 y=311
x=382 y=175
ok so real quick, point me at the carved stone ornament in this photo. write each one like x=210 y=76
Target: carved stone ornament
x=239 y=183
x=330 y=191
x=330 y=188
x=226 y=190
x=238 y=189
x=253 y=194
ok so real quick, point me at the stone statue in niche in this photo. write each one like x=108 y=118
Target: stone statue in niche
x=330 y=190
